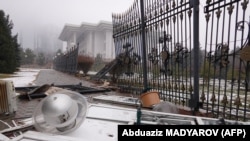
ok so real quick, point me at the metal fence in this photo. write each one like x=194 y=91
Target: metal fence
x=192 y=57
x=66 y=62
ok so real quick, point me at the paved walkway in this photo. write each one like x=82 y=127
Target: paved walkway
x=50 y=76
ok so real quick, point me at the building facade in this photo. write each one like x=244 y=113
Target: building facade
x=93 y=39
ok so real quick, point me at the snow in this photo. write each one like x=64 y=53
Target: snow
x=24 y=77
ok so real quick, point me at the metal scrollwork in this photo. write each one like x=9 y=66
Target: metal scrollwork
x=178 y=52
x=178 y=56
x=245 y=49
x=165 y=55
x=220 y=55
x=153 y=56
x=126 y=59
x=224 y=55
x=136 y=59
x=165 y=38
x=245 y=53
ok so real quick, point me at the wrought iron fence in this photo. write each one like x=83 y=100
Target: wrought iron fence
x=66 y=62
x=193 y=58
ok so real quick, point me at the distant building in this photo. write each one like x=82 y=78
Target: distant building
x=93 y=39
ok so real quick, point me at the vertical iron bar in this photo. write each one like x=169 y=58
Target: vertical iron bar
x=76 y=60
x=217 y=53
x=233 y=65
x=246 y=86
x=206 y=67
x=171 y=82
x=196 y=53
x=225 y=69
x=240 y=67
x=211 y=66
x=190 y=60
x=149 y=35
x=144 y=65
x=181 y=97
x=186 y=62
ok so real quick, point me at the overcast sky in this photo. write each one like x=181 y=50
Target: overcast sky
x=30 y=15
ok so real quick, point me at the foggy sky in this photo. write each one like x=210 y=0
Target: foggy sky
x=31 y=16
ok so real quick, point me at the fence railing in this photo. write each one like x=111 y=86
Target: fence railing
x=66 y=62
x=192 y=57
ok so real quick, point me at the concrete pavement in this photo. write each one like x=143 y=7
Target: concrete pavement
x=50 y=76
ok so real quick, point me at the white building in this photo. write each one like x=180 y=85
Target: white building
x=93 y=39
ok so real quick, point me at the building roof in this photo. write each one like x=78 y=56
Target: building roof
x=70 y=29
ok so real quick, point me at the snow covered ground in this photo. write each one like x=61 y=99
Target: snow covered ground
x=24 y=77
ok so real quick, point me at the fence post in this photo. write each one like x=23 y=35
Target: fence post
x=194 y=103
x=76 y=58
x=144 y=53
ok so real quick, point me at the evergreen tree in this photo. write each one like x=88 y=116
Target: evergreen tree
x=9 y=55
x=27 y=56
x=41 y=59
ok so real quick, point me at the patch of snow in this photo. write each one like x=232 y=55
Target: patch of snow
x=24 y=77
x=91 y=73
